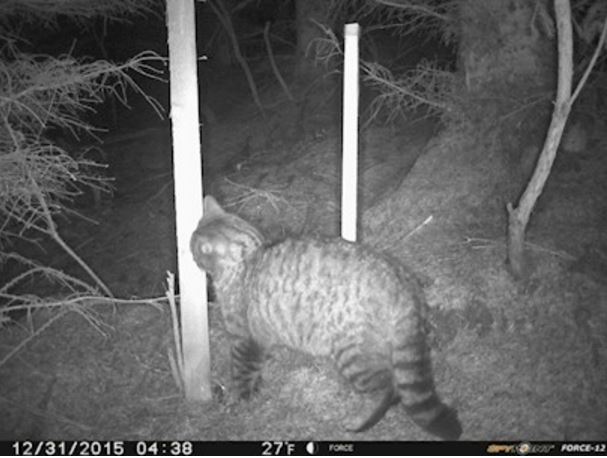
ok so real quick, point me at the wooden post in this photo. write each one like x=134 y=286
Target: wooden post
x=187 y=172
x=349 y=172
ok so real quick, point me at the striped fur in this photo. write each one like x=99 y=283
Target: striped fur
x=326 y=298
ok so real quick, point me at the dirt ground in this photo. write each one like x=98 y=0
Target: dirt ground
x=519 y=360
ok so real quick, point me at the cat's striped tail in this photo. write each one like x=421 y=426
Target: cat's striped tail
x=414 y=381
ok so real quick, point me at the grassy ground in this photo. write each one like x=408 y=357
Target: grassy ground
x=519 y=360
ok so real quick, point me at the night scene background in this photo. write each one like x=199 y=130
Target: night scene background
x=455 y=103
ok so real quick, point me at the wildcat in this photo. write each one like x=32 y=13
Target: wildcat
x=331 y=298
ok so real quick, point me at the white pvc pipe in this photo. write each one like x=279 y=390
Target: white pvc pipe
x=349 y=173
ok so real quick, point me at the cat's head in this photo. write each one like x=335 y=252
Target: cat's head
x=222 y=240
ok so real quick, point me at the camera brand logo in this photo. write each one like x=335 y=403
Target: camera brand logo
x=522 y=448
x=501 y=448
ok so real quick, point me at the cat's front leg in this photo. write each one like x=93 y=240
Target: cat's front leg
x=247 y=360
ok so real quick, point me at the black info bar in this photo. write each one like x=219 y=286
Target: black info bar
x=294 y=448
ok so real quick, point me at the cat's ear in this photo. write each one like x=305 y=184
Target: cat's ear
x=211 y=207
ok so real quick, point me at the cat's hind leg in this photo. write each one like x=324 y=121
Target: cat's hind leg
x=369 y=372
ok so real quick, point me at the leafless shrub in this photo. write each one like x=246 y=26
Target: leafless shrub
x=400 y=17
x=39 y=180
x=426 y=86
x=46 y=12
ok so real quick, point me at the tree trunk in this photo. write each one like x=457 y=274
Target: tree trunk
x=507 y=57
x=519 y=217
x=504 y=43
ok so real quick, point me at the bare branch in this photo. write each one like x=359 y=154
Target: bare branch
x=46 y=12
x=595 y=56
x=422 y=8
